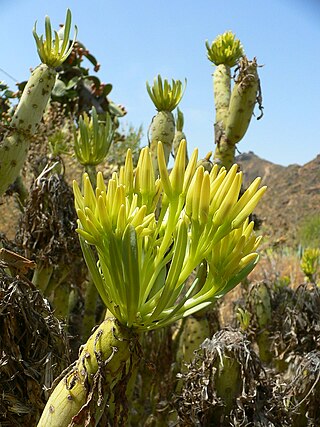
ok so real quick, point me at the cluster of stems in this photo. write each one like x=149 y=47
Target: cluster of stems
x=234 y=106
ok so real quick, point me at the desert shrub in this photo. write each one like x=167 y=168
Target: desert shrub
x=310 y=264
x=309 y=233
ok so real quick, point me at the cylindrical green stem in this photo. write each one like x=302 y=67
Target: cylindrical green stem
x=91 y=170
x=242 y=102
x=41 y=276
x=61 y=301
x=228 y=384
x=81 y=396
x=162 y=129
x=224 y=153
x=261 y=305
x=90 y=304
x=222 y=92
x=195 y=331
x=14 y=147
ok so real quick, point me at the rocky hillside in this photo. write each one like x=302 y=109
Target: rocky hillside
x=293 y=194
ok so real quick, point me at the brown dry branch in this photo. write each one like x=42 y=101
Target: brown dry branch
x=203 y=399
x=33 y=351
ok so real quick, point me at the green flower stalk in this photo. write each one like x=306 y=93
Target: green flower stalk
x=36 y=94
x=146 y=253
x=166 y=98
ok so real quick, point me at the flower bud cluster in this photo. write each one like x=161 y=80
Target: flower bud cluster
x=54 y=52
x=151 y=234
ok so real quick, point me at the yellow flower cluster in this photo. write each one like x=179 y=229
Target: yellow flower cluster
x=151 y=234
x=164 y=95
x=92 y=139
x=54 y=52
x=225 y=49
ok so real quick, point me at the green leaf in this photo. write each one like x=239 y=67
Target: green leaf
x=59 y=89
x=95 y=81
x=72 y=82
x=107 y=89
x=235 y=280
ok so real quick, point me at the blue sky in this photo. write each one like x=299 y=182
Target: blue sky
x=136 y=40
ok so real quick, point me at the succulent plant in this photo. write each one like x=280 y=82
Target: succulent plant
x=310 y=264
x=225 y=384
x=234 y=109
x=166 y=98
x=92 y=139
x=146 y=254
x=224 y=52
x=29 y=112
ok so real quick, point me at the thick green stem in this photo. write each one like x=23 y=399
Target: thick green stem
x=228 y=385
x=96 y=379
x=41 y=276
x=15 y=145
x=222 y=92
x=92 y=172
x=61 y=301
x=162 y=129
x=195 y=330
x=90 y=304
x=261 y=306
x=224 y=153
x=242 y=102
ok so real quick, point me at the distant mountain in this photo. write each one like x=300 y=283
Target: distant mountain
x=293 y=194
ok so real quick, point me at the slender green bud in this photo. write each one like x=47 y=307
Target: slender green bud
x=54 y=52
x=92 y=139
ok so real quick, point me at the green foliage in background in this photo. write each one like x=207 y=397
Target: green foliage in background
x=309 y=233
